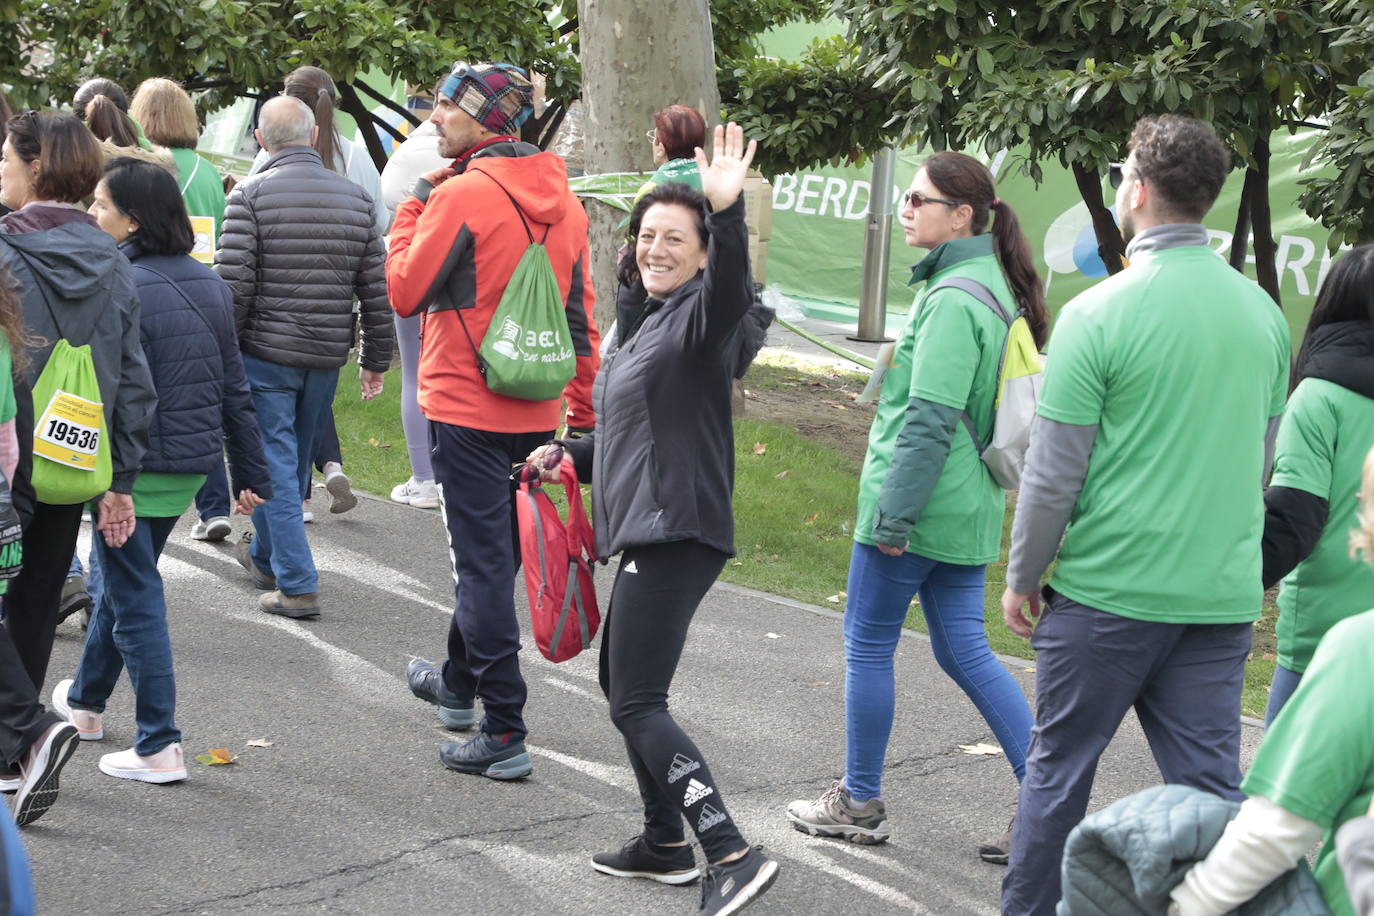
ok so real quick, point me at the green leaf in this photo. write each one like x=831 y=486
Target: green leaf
x=985 y=62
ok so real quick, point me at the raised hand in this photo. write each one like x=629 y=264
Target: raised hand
x=723 y=179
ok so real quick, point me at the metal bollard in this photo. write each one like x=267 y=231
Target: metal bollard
x=877 y=238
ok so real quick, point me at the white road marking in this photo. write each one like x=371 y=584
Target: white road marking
x=615 y=776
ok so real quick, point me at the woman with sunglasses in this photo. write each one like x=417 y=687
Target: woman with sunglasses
x=930 y=513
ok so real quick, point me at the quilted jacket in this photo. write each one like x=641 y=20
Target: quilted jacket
x=1126 y=858
x=297 y=244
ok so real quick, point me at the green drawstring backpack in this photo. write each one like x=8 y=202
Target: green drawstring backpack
x=527 y=352
x=71 y=451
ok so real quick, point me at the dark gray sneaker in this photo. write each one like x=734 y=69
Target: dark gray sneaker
x=492 y=756
x=836 y=814
x=427 y=682
x=731 y=887
x=639 y=858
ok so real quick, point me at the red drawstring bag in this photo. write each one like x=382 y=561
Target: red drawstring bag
x=558 y=560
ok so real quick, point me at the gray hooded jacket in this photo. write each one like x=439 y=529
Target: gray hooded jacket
x=75 y=283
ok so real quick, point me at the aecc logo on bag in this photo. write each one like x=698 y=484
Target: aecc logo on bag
x=514 y=342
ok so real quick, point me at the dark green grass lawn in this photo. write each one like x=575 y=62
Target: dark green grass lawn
x=794 y=510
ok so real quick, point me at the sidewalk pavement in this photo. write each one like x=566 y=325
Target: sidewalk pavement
x=349 y=811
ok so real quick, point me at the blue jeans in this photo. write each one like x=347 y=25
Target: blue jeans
x=94 y=580
x=129 y=629
x=880 y=591
x=1280 y=689
x=291 y=404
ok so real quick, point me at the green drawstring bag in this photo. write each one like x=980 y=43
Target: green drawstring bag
x=71 y=454
x=527 y=352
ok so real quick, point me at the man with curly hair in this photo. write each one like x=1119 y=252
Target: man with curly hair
x=1153 y=438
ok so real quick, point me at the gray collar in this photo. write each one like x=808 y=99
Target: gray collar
x=1168 y=235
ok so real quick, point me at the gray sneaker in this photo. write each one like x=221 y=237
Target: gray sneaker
x=835 y=814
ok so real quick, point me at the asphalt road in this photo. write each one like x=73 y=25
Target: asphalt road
x=350 y=811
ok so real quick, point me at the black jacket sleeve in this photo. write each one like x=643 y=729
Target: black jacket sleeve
x=1293 y=523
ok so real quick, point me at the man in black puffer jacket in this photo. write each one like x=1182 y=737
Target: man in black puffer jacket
x=298 y=243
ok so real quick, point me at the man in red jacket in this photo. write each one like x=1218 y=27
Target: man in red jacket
x=454 y=245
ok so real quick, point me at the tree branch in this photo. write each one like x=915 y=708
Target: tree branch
x=354 y=106
x=399 y=109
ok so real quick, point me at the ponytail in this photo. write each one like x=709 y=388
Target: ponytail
x=107 y=122
x=968 y=181
x=315 y=88
x=1014 y=254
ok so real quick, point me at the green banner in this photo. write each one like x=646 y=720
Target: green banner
x=816 y=250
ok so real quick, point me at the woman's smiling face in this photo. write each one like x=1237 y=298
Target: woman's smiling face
x=669 y=249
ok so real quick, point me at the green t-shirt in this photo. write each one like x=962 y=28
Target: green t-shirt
x=1317 y=758
x=9 y=409
x=947 y=353
x=1326 y=432
x=203 y=192
x=1180 y=362
x=165 y=495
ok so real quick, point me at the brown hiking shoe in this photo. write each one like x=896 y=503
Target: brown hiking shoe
x=293 y=606
x=243 y=553
x=836 y=814
x=997 y=851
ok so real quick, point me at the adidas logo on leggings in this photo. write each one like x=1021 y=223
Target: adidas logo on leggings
x=710 y=817
x=695 y=792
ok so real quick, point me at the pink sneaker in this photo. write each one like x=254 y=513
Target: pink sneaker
x=167 y=765
x=89 y=726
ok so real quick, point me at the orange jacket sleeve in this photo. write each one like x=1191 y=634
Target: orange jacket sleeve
x=426 y=241
x=580 y=307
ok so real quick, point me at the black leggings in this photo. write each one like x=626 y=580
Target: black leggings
x=656 y=592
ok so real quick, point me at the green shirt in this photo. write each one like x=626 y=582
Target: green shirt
x=165 y=495
x=203 y=192
x=947 y=353
x=1326 y=432
x=9 y=409
x=1179 y=361
x=1317 y=758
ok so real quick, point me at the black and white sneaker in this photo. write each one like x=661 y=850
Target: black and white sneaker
x=731 y=887
x=40 y=769
x=639 y=858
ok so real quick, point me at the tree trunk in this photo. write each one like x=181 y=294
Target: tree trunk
x=1266 y=252
x=1240 y=239
x=636 y=59
x=1110 y=245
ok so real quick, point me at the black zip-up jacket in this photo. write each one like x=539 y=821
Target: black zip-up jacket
x=298 y=243
x=662 y=457
x=1342 y=353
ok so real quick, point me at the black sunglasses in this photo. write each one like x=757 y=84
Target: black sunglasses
x=916 y=199
x=1116 y=174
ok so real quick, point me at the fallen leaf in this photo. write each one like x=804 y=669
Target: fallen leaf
x=980 y=750
x=216 y=756
x=834 y=599
x=1029 y=669
x=839 y=407
x=819 y=385
x=853 y=395
x=773 y=635
x=760 y=448
x=780 y=475
x=373 y=442
x=739 y=562
x=818 y=684
x=811 y=519
x=259 y=742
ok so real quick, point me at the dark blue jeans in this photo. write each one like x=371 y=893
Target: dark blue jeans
x=1184 y=681
x=473 y=470
x=880 y=591
x=129 y=630
x=291 y=404
x=213 y=499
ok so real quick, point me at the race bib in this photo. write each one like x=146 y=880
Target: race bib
x=203 y=228
x=69 y=431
